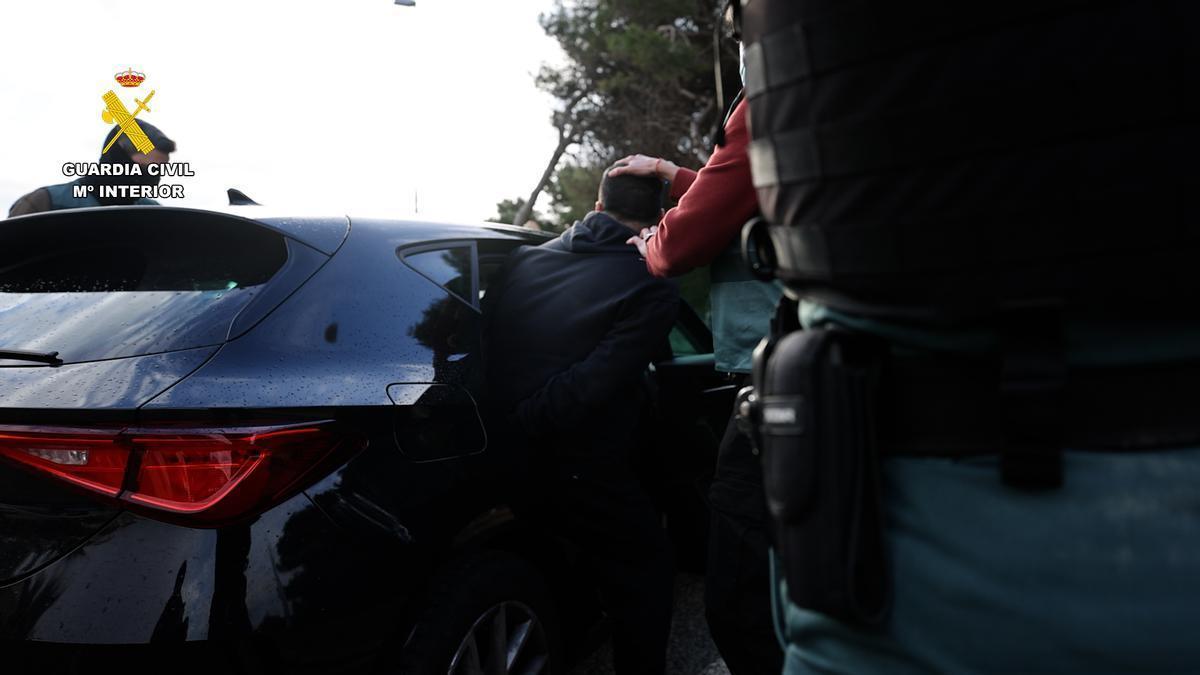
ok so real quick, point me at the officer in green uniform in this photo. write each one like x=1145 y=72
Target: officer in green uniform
x=61 y=196
x=981 y=452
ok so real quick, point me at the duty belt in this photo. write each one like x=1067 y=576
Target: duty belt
x=954 y=407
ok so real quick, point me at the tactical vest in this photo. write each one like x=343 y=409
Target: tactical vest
x=951 y=158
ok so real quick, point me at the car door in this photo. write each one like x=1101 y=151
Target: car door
x=439 y=418
x=693 y=403
x=442 y=418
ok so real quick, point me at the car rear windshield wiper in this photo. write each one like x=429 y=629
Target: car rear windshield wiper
x=38 y=357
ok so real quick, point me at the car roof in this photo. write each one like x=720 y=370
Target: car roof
x=326 y=233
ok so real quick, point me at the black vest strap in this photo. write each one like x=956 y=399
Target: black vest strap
x=852 y=33
x=719 y=137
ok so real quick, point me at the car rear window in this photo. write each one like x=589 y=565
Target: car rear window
x=122 y=282
x=447 y=265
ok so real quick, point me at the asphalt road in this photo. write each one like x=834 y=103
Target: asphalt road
x=691 y=650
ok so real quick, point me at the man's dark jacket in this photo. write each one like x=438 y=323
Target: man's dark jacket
x=571 y=325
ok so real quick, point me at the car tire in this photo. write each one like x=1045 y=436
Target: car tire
x=489 y=614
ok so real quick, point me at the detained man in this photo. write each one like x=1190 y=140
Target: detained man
x=571 y=327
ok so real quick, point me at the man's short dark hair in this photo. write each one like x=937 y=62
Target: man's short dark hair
x=634 y=198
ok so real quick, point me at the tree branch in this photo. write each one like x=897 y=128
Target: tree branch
x=566 y=136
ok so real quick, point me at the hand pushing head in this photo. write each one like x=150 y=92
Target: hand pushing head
x=635 y=201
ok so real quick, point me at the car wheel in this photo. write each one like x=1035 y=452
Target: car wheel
x=508 y=638
x=491 y=614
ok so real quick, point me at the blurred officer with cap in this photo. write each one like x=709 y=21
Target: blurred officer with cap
x=61 y=196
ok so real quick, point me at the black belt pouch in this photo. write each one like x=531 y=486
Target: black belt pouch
x=818 y=429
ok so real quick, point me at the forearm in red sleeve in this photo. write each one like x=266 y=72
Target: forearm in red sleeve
x=683 y=180
x=715 y=203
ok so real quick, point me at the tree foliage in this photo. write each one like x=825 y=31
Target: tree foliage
x=637 y=77
x=506 y=210
x=573 y=191
x=646 y=72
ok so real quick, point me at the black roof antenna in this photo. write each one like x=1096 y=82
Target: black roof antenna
x=239 y=198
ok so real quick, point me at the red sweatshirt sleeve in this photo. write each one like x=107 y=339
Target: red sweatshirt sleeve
x=714 y=203
x=683 y=180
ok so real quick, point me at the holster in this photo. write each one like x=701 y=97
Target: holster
x=814 y=416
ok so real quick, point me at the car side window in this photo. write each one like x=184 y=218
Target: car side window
x=690 y=336
x=693 y=288
x=451 y=266
x=681 y=344
x=493 y=253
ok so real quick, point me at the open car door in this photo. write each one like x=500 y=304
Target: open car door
x=693 y=404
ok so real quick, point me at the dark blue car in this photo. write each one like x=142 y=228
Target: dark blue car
x=259 y=445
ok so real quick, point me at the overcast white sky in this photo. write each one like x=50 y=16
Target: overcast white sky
x=325 y=105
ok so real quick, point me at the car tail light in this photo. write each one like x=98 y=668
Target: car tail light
x=92 y=459
x=200 y=476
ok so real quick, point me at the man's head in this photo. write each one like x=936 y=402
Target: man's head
x=636 y=201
